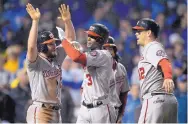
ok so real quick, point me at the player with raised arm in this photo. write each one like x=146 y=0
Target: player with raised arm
x=98 y=71
x=44 y=61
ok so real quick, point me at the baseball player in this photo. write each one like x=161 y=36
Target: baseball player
x=98 y=71
x=44 y=61
x=119 y=88
x=155 y=74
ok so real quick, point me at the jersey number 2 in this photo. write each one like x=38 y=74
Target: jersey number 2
x=141 y=73
x=89 y=79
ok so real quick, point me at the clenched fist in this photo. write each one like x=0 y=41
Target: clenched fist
x=34 y=13
x=65 y=13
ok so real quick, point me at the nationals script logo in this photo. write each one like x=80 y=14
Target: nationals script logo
x=51 y=73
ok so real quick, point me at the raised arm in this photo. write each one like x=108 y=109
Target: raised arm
x=32 y=40
x=66 y=17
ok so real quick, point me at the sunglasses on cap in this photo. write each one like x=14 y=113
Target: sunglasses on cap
x=93 y=37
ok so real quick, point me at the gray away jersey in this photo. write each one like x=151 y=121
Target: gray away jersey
x=150 y=76
x=119 y=85
x=45 y=78
x=97 y=74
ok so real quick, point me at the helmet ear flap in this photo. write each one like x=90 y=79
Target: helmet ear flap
x=100 y=40
x=42 y=48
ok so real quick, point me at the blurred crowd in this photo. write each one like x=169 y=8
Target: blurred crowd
x=118 y=16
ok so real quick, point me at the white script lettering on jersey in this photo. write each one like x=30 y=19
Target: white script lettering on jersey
x=51 y=73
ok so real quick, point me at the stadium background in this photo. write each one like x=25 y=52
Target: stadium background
x=118 y=16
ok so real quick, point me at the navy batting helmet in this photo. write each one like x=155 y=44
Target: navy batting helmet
x=44 y=38
x=147 y=24
x=98 y=32
x=111 y=43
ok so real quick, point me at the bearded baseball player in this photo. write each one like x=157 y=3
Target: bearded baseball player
x=159 y=104
x=44 y=61
x=119 y=88
x=95 y=107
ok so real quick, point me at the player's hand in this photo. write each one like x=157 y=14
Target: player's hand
x=65 y=13
x=168 y=85
x=119 y=119
x=34 y=13
x=77 y=45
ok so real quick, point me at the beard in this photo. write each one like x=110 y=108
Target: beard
x=93 y=46
x=52 y=54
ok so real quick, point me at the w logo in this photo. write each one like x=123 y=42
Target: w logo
x=51 y=35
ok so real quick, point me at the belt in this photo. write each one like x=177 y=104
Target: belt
x=50 y=106
x=149 y=95
x=91 y=105
x=153 y=94
x=46 y=105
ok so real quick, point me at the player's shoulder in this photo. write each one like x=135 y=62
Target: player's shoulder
x=100 y=53
x=155 y=44
x=59 y=48
x=120 y=65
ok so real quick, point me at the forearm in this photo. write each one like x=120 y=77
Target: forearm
x=69 y=31
x=123 y=99
x=74 y=54
x=32 y=41
x=166 y=68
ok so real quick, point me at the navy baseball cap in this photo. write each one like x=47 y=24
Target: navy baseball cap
x=147 y=24
x=46 y=37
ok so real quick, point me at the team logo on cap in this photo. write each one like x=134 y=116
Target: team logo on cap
x=51 y=35
x=91 y=28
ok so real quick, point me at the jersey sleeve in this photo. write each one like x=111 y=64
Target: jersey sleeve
x=60 y=54
x=97 y=58
x=155 y=53
x=33 y=65
x=125 y=84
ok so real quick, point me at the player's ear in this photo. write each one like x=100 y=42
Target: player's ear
x=149 y=32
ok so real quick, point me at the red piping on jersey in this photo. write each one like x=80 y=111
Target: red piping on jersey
x=74 y=54
x=166 y=68
x=146 y=111
x=109 y=112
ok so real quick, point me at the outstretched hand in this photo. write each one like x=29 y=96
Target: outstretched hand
x=65 y=13
x=34 y=13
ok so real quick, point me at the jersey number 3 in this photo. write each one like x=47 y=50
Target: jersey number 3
x=88 y=76
x=141 y=73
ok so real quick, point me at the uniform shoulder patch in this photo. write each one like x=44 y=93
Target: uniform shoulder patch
x=93 y=53
x=161 y=53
